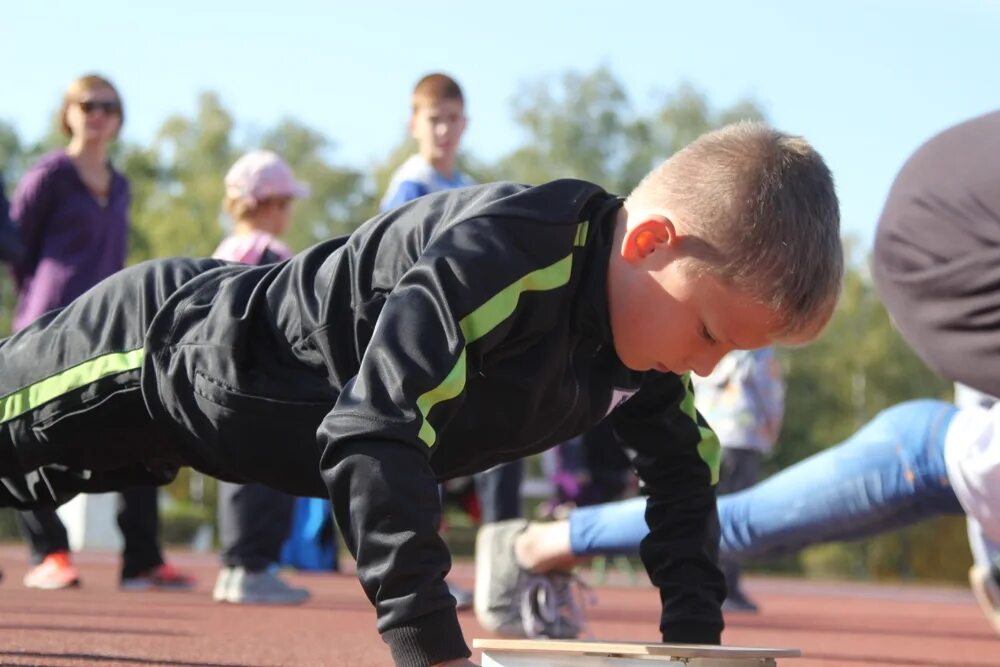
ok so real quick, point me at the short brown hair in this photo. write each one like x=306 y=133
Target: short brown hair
x=764 y=205
x=434 y=88
x=85 y=84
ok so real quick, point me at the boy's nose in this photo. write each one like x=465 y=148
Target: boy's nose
x=705 y=363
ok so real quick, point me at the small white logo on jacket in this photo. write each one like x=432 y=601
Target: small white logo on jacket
x=619 y=396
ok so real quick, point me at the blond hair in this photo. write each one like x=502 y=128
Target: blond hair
x=763 y=207
x=86 y=84
x=239 y=208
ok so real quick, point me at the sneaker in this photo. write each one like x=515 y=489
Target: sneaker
x=514 y=602
x=164 y=577
x=498 y=578
x=738 y=603
x=240 y=586
x=463 y=598
x=55 y=572
x=221 y=589
x=986 y=587
x=552 y=605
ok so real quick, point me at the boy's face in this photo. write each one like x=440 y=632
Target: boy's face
x=437 y=126
x=668 y=317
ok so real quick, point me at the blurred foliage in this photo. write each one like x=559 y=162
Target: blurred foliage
x=577 y=124
x=180 y=521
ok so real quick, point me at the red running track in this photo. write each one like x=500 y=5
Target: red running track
x=834 y=624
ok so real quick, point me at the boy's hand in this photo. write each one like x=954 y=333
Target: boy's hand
x=462 y=662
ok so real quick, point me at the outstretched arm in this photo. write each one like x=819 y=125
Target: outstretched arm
x=676 y=456
x=454 y=305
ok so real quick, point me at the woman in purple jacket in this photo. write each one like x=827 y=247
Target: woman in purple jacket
x=71 y=208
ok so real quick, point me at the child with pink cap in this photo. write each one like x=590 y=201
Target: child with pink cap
x=254 y=519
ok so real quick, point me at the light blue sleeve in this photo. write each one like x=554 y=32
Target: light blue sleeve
x=769 y=389
x=404 y=192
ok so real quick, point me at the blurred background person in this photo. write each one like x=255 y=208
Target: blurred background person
x=743 y=400
x=254 y=519
x=71 y=209
x=437 y=122
x=11 y=247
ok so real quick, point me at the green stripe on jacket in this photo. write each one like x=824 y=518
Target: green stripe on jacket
x=480 y=322
x=34 y=395
x=709 y=448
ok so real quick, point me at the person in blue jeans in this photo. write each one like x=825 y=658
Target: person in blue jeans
x=894 y=472
x=937 y=249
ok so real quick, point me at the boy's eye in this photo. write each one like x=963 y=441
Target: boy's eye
x=707 y=335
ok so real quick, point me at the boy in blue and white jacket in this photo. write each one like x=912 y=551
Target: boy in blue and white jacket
x=437 y=122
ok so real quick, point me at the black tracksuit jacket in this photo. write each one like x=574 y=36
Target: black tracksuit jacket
x=464 y=329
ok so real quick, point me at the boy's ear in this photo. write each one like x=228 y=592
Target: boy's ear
x=644 y=238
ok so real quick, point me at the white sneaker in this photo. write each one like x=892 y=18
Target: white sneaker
x=241 y=586
x=221 y=589
x=986 y=588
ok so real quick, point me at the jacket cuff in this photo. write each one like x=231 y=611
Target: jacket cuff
x=690 y=633
x=427 y=641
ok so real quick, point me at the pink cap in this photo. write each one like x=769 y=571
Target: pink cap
x=261 y=175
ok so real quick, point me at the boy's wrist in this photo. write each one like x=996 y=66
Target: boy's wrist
x=693 y=633
x=429 y=640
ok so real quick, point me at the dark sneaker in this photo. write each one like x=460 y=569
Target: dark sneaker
x=552 y=605
x=986 y=587
x=463 y=598
x=237 y=585
x=54 y=573
x=738 y=603
x=163 y=577
x=513 y=602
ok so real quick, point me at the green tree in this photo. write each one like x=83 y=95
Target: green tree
x=177 y=183
x=585 y=126
x=11 y=155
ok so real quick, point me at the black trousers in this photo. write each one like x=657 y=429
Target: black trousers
x=738 y=470
x=73 y=418
x=138 y=520
x=499 y=491
x=253 y=523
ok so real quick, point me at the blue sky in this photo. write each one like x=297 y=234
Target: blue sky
x=866 y=82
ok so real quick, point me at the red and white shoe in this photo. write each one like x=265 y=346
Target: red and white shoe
x=164 y=577
x=54 y=573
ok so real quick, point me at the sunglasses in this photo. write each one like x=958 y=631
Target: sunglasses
x=109 y=107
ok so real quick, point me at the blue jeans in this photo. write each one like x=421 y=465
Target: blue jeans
x=889 y=474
